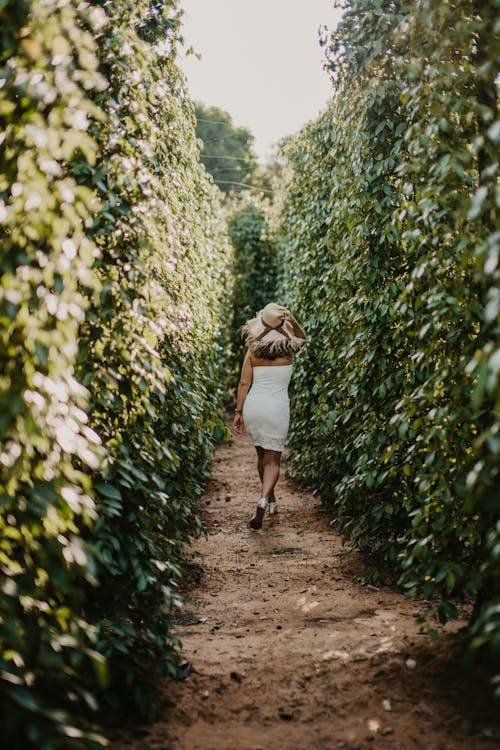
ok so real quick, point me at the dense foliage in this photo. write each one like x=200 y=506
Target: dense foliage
x=254 y=272
x=151 y=347
x=226 y=150
x=390 y=242
x=113 y=294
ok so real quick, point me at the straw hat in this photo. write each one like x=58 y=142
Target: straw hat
x=272 y=331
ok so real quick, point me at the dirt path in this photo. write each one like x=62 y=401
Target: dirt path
x=292 y=651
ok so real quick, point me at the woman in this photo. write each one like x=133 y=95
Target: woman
x=273 y=338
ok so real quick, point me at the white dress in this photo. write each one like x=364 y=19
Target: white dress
x=266 y=410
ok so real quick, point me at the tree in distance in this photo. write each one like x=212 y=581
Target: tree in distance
x=226 y=151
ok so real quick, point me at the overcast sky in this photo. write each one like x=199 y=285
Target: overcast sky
x=261 y=62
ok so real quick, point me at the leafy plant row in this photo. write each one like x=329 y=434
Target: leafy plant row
x=390 y=243
x=113 y=301
x=254 y=273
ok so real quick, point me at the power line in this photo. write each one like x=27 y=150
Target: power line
x=216 y=122
x=213 y=140
x=243 y=184
x=230 y=169
x=220 y=138
x=222 y=156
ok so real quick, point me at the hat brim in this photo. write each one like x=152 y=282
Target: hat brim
x=274 y=340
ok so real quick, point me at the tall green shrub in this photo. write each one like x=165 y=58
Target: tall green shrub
x=390 y=250
x=49 y=68
x=112 y=302
x=151 y=345
x=254 y=271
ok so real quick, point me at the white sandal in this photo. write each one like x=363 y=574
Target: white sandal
x=273 y=508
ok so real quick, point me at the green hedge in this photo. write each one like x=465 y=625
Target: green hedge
x=255 y=263
x=113 y=301
x=390 y=261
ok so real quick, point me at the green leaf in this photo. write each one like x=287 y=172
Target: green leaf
x=108 y=490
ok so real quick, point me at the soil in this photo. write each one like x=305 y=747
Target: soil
x=290 y=649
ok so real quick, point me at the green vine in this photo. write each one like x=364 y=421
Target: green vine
x=389 y=252
x=113 y=304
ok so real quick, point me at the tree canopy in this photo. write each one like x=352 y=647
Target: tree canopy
x=227 y=150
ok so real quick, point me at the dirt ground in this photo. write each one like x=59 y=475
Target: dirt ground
x=291 y=650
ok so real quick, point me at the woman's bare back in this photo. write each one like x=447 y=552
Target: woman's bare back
x=277 y=362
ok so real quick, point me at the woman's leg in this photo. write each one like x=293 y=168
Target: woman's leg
x=268 y=464
x=260 y=465
x=260 y=469
x=270 y=473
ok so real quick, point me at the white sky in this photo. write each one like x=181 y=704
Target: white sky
x=261 y=62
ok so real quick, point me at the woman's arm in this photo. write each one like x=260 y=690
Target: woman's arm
x=243 y=388
x=297 y=330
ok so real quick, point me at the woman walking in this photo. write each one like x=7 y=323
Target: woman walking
x=262 y=406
